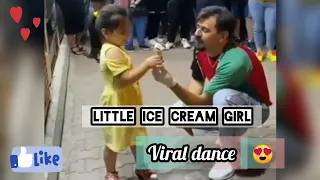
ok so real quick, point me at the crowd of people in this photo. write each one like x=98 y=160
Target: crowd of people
x=156 y=23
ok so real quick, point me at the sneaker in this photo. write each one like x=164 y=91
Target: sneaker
x=251 y=45
x=169 y=45
x=94 y=54
x=185 y=43
x=221 y=171
x=192 y=39
x=160 y=40
x=260 y=56
x=272 y=56
x=129 y=48
x=159 y=47
x=145 y=47
x=237 y=40
x=153 y=42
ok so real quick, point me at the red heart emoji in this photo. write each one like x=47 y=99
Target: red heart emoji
x=257 y=151
x=36 y=22
x=25 y=32
x=267 y=151
x=16 y=13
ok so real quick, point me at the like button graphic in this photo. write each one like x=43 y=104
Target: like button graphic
x=23 y=160
x=36 y=159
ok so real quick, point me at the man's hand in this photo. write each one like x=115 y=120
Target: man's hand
x=163 y=76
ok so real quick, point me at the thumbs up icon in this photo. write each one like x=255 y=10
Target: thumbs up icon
x=24 y=160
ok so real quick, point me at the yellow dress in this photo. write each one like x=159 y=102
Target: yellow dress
x=118 y=139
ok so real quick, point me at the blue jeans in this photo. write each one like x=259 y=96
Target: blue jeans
x=230 y=97
x=139 y=29
x=304 y=32
x=265 y=24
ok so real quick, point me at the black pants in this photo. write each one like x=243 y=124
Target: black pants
x=204 y=3
x=73 y=14
x=95 y=38
x=180 y=14
x=154 y=20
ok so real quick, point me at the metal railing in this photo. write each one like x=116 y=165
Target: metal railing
x=53 y=36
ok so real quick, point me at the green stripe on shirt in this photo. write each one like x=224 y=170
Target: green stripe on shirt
x=234 y=70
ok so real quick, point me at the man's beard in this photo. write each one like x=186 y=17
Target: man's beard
x=198 y=45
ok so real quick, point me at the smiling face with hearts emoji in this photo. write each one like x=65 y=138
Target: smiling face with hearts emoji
x=262 y=154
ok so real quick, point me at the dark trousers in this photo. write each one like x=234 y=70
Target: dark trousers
x=180 y=14
x=204 y=3
x=154 y=20
x=95 y=38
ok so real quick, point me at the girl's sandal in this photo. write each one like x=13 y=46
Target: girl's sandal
x=144 y=174
x=112 y=176
x=76 y=50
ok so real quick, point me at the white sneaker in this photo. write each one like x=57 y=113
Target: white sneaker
x=185 y=43
x=192 y=39
x=169 y=45
x=153 y=42
x=221 y=171
x=160 y=40
x=158 y=46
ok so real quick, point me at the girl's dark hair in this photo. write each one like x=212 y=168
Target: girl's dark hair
x=110 y=17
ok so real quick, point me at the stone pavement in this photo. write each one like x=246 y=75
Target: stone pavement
x=83 y=147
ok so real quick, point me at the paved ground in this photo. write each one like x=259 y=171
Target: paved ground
x=83 y=147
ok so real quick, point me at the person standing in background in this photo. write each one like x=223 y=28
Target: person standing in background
x=180 y=14
x=73 y=15
x=193 y=21
x=138 y=12
x=265 y=26
x=95 y=35
x=240 y=9
x=200 y=4
x=157 y=13
x=87 y=4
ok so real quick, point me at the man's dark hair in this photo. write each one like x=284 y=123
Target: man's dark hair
x=110 y=17
x=225 y=20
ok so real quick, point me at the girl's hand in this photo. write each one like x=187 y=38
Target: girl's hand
x=154 y=61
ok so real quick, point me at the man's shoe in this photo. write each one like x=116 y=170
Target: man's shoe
x=160 y=40
x=159 y=47
x=221 y=171
x=169 y=45
x=237 y=40
x=153 y=42
x=145 y=47
x=272 y=56
x=129 y=48
x=185 y=43
x=251 y=45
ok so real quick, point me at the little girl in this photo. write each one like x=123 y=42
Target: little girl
x=122 y=87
